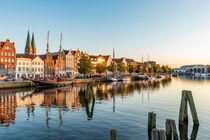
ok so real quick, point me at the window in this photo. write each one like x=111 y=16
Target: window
x=38 y=69
x=19 y=68
x=12 y=54
x=32 y=63
x=35 y=63
x=5 y=53
x=32 y=69
x=42 y=69
x=27 y=69
x=2 y=60
x=2 y=53
x=13 y=67
x=9 y=67
x=27 y=63
x=13 y=61
x=9 y=60
x=23 y=68
x=35 y=69
x=18 y=75
x=38 y=63
x=23 y=63
x=5 y=60
x=9 y=54
x=2 y=67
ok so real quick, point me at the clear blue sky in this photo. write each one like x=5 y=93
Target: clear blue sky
x=172 y=32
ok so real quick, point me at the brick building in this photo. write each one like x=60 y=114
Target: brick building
x=7 y=58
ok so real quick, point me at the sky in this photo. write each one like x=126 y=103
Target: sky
x=171 y=32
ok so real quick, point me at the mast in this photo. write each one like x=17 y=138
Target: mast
x=59 y=55
x=47 y=54
x=48 y=41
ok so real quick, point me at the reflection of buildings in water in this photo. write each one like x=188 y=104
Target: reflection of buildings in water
x=7 y=109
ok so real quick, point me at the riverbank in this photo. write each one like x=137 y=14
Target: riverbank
x=16 y=84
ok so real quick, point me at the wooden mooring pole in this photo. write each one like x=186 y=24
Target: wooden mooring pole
x=171 y=129
x=113 y=134
x=151 y=120
x=183 y=112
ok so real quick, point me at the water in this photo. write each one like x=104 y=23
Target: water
x=66 y=113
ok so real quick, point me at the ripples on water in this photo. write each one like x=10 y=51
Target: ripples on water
x=66 y=113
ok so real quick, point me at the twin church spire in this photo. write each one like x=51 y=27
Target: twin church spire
x=30 y=48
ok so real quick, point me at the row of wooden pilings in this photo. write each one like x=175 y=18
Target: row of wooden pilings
x=170 y=131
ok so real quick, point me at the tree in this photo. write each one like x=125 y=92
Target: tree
x=131 y=68
x=139 y=68
x=100 y=68
x=150 y=69
x=121 y=67
x=85 y=66
x=156 y=68
x=112 y=67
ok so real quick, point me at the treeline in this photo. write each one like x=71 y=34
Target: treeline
x=85 y=67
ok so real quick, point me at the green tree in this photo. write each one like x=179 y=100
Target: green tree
x=85 y=66
x=112 y=67
x=139 y=68
x=121 y=67
x=156 y=68
x=150 y=70
x=131 y=68
x=100 y=68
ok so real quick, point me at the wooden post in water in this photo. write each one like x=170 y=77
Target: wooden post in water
x=151 y=121
x=155 y=134
x=183 y=112
x=162 y=135
x=113 y=134
x=171 y=129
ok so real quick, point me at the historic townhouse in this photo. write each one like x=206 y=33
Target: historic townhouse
x=37 y=65
x=69 y=57
x=23 y=67
x=29 y=67
x=72 y=59
x=7 y=59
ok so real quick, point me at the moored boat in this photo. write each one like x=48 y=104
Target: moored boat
x=111 y=79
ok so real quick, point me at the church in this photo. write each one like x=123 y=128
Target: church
x=30 y=48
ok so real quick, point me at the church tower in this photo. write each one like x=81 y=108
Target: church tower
x=28 y=47
x=33 y=45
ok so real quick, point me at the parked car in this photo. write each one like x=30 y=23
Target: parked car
x=9 y=79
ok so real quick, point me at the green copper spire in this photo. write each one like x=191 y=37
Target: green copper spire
x=28 y=41
x=33 y=42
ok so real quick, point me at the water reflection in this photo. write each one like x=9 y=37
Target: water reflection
x=68 y=99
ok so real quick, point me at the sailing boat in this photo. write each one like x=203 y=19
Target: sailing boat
x=58 y=82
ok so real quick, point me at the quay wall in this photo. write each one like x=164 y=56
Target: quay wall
x=8 y=85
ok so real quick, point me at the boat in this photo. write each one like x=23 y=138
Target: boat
x=43 y=83
x=111 y=79
x=124 y=79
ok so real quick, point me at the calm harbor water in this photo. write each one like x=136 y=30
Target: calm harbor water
x=66 y=113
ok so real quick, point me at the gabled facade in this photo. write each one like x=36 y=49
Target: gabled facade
x=7 y=59
x=37 y=65
x=95 y=59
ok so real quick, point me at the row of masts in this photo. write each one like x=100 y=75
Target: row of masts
x=59 y=56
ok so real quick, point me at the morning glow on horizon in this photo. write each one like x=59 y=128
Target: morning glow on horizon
x=172 y=32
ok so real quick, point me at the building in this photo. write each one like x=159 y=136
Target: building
x=95 y=59
x=192 y=69
x=37 y=65
x=30 y=47
x=7 y=59
x=28 y=66
x=23 y=66
x=120 y=60
x=70 y=62
x=77 y=56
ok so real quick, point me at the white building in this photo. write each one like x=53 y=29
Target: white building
x=29 y=67
x=191 y=69
x=37 y=66
x=70 y=60
x=23 y=67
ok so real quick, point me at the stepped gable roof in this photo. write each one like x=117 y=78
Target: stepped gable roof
x=43 y=56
